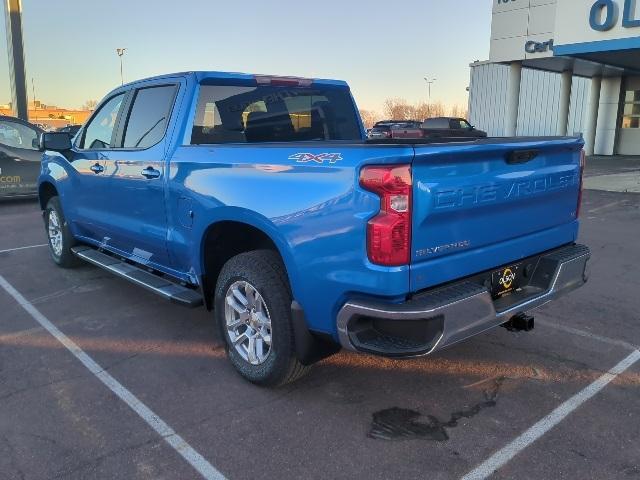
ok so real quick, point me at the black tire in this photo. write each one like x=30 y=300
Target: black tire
x=264 y=271
x=63 y=258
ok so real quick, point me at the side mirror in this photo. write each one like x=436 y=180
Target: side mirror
x=57 y=141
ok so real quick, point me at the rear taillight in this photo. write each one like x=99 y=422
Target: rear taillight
x=389 y=232
x=582 y=164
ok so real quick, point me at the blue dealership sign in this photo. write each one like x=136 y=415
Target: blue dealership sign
x=604 y=15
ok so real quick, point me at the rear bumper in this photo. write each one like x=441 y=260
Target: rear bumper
x=440 y=317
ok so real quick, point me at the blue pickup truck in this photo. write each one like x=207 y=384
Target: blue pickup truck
x=260 y=198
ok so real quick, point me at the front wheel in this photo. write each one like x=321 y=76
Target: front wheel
x=59 y=236
x=252 y=306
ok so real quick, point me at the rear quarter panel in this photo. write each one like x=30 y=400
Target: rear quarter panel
x=314 y=212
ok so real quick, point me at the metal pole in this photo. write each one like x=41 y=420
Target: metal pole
x=120 y=52
x=15 y=49
x=35 y=108
x=429 y=82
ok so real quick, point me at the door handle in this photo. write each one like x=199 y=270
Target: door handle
x=150 y=172
x=97 y=168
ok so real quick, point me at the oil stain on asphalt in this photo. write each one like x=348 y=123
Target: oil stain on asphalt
x=403 y=424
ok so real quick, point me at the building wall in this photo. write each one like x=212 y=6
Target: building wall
x=487 y=97
x=539 y=101
x=514 y=23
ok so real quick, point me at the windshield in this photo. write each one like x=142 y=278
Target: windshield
x=266 y=113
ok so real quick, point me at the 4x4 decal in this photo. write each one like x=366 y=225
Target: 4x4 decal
x=319 y=158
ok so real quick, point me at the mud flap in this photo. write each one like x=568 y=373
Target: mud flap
x=310 y=348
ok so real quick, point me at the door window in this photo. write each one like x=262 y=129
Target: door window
x=149 y=116
x=99 y=133
x=17 y=135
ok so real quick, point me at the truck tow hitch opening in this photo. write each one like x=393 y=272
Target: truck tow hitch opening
x=520 y=322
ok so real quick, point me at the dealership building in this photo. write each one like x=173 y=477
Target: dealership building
x=562 y=67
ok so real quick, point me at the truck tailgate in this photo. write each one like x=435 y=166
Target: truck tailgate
x=482 y=205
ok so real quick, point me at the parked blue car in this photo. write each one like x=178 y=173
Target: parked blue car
x=261 y=198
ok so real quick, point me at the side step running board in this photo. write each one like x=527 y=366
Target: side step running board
x=171 y=291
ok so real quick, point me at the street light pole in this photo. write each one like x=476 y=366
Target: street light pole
x=429 y=81
x=15 y=50
x=120 y=52
x=35 y=108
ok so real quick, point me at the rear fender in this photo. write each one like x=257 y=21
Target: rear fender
x=255 y=220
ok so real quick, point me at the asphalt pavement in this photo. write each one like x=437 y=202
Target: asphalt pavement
x=353 y=416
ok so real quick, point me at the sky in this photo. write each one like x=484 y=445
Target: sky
x=382 y=48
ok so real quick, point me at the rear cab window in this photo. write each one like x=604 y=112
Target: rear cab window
x=244 y=111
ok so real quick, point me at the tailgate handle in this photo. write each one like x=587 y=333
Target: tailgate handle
x=521 y=156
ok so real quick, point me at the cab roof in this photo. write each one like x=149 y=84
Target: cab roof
x=213 y=75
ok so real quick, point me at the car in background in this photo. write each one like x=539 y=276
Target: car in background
x=20 y=157
x=383 y=128
x=450 y=127
x=70 y=129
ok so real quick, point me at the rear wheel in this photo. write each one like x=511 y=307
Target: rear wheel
x=253 y=312
x=59 y=236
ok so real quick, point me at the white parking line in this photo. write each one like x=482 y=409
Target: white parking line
x=584 y=333
x=23 y=248
x=504 y=455
x=604 y=207
x=196 y=460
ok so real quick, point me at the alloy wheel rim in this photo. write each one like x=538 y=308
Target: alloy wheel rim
x=248 y=322
x=55 y=233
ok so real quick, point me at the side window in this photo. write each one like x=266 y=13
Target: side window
x=99 y=131
x=14 y=134
x=455 y=124
x=437 y=123
x=149 y=116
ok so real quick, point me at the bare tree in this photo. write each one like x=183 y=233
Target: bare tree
x=458 y=111
x=398 y=109
x=90 y=105
x=421 y=110
x=369 y=117
x=437 y=110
